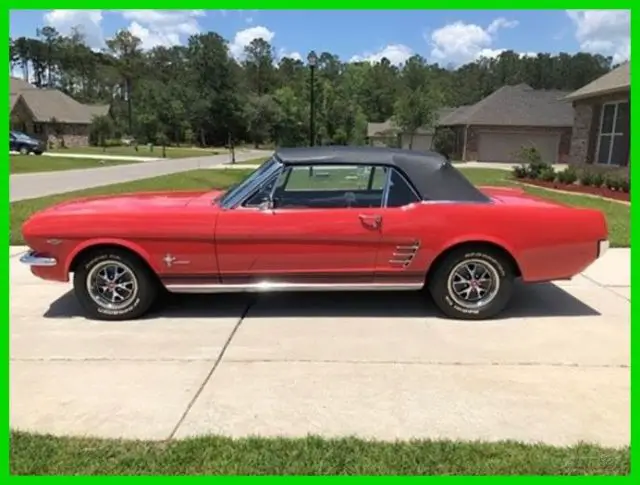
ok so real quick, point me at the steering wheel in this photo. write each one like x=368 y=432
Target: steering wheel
x=350 y=198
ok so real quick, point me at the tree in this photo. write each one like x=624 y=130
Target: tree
x=100 y=130
x=199 y=93
x=416 y=109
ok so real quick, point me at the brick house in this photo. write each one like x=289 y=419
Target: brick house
x=497 y=127
x=601 y=127
x=50 y=114
x=512 y=117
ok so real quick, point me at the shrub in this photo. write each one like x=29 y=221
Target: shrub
x=529 y=155
x=568 y=176
x=547 y=174
x=520 y=171
x=613 y=181
x=586 y=178
x=598 y=179
x=625 y=185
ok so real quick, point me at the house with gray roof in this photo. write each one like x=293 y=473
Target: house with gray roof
x=387 y=133
x=498 y=126
x=601 y=123
x=50 y=114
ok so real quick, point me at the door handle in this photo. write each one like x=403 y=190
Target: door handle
x=373 y=221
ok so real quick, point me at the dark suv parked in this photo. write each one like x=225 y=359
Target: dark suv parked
x=19 y=142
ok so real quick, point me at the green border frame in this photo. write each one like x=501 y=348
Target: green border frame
x=328 y=4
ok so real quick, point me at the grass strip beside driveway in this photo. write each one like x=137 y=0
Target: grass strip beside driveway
x=618 y=215
x=34 y=163
x=144 y=151
x=33 y=454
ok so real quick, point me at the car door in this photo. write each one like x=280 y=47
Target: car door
x=403 y=251
x=323 y=228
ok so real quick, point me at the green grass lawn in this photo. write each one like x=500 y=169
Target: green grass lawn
x=144 y=151
x=33 y=163
x=46 y=455
x=618 y=215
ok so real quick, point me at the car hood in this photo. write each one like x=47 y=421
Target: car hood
x=137 y=202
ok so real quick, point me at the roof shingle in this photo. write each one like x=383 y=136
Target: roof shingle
x=519 y=105
x=617 y=80
x=46 y=104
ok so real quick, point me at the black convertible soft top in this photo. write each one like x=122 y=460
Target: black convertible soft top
x=430 y=173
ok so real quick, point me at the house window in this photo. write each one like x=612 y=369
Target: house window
x=613 y=140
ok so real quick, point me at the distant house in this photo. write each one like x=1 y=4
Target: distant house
x=50 y=113
x=498 y=126
x=389 y=134
x=601 y=125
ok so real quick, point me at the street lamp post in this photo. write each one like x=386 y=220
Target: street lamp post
x=312 y=58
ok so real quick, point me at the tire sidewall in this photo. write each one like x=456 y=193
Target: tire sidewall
x=138 y=306
x=440 y=290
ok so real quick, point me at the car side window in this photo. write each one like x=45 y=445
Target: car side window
x=330 y=186
x=400 y=192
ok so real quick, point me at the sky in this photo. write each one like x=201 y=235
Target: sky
x=449 y=37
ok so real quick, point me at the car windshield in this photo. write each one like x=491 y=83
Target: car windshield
x=21 y=136
x=257 y=173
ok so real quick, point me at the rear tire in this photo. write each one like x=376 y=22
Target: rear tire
x=472 y=283
x=114 y=285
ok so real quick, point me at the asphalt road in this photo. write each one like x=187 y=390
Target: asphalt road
x=555 y=369
x=32 y=185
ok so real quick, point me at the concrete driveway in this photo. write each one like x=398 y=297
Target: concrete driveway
x=32 y=185
x=555 y=369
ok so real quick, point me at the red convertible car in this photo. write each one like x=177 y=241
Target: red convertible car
x=311 y=219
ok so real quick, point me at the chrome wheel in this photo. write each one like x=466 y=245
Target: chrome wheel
x=112 y=285
x=473 y=283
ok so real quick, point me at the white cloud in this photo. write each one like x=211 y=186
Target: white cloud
x=460 y=42
x=153 y=27
x=88 y=22
x=396 y=53
x=501 y=23
x=603 y=31
x=244 y=37
x=295 y=55
x=162 y=27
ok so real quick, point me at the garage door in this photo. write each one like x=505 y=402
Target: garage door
x=503 y=147
x=420 y=142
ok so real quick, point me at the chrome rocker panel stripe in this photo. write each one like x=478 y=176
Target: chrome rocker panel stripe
x=269 y=286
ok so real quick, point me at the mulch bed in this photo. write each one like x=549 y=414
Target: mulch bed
x=581 y=189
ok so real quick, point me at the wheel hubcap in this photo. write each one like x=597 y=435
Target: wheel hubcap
x=112 y=285
x=473 y=283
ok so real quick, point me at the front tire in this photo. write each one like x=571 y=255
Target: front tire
x=114 y=285
x=24 y=151
x=472 y=283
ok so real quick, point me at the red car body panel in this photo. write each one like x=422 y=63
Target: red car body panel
x=546 y=240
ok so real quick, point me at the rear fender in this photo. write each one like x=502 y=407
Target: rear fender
x=476 y=239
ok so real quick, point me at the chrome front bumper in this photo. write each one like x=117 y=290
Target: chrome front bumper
x=603 y=247
x=32 y=258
